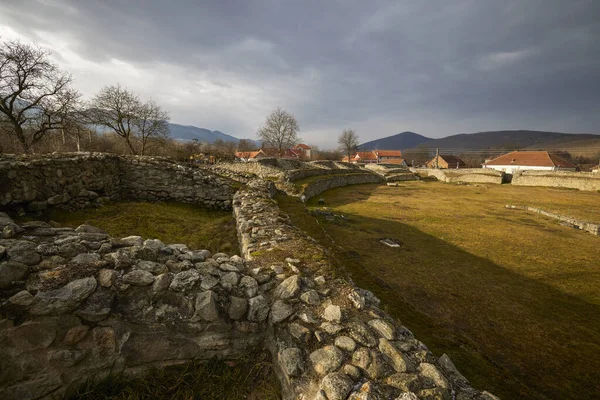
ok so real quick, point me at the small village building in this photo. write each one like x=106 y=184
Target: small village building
x=246 y=156
x=446 y=162
x=596 y=169
x=529 y=161
x=301 y=152
x=377 y=157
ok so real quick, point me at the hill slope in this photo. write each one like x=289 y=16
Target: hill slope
x=510 y=140
x=400 y=141
x=189 y=132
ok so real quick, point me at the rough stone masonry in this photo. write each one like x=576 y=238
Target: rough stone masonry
x=76 y=303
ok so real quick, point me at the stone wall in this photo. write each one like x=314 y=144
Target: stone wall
x=463 y=175
x=79 y=180
x=587 y=226
x=330 y=339
x=76 y=303
x=327 y=182
x=560 y=179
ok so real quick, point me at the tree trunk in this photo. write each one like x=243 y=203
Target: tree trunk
x=131 y=149
x=21 y=137
x=78 y=143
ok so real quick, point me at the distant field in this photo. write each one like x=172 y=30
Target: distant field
x=192 y=225
x=512 y=297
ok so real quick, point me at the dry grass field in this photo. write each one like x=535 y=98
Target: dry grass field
x=512 y=297
x=189 y=224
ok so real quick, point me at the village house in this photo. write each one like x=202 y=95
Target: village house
x=529 y=160
x=446 y=162
x=300 y=152
x=377 y=157
x=246 y=156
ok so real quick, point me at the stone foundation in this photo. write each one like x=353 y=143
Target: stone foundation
x=559 y=179
x=462 y=175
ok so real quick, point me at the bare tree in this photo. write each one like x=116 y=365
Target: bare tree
x=348 y=142
x=34 y=93
x=122 y=111
x=280 y=130
x=116 y=108
x=151 y=122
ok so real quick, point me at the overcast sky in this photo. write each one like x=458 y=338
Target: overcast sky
x=433 y=67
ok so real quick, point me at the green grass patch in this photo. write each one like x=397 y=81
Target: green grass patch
x=250 y=379
x=193 y=225
x=512 y=297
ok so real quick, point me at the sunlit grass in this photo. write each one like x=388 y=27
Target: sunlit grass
x=511 y=296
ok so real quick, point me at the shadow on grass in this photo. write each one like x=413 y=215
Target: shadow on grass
x=508 y=333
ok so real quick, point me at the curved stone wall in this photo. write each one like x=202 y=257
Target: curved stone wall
x=560 y=179
x=463 y=175
x=77 y=303
x=324 y=183
x=79 y=180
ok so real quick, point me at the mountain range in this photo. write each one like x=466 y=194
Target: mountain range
x=515 y=139
x=190 y=132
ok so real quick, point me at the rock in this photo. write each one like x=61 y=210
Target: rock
x=22 y=298
x=405 y=382
x=37 y=206
x=258 y=309
x=152 y=267
x=63 y=300
x=407 y=396
x=280 y=311
x=337 y=386
x=383 y=328
x=308 y=317
x=58 y=199
x=237 y=260
x=237 y=308
x=311 y=298
x=197 y=256
x=299 y=332
x=447 y=364
x=24 y=252
x=359 y=332
x=230 y=279
x=206 y=307
x=208 y=282
x=333 y=313
x=351 y=371
x=485 y=395
x=97 y=307
x=75 y=334
x=345 y=343
x=161 y=283
x=430 y=371
x=10 y=272
x=132 y=241
x=85 y=259
x=87 y=194
x=289 y=288
x=121 y=259
x=249 y=285
x=89 y=229
x=66 y=358
x=320 y=280
x=394 y=356
x=361 y=358
x=107 y=277
x=2 y=251
x=138 y=278
x=185 y=281
x=434 y=394
x=327 y=359
x=291 y=361
x=331 y=328
x=228 y=268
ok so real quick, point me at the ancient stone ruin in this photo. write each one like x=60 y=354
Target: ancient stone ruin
x=77 y=303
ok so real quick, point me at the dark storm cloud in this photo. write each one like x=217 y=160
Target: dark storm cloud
x=377 y=65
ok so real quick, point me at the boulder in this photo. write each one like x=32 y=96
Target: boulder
x=258 y=309
x=337 y=386
x=206 y=307
x=237 y=308
x=185 y=281
x=63 y=300
x=291 y=361
x=10 y=272
x=138 y=278
x=289 y=288
x=280 y=311
x=327 y=359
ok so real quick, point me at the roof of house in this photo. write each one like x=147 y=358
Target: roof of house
x=302 y=146
x=365 y=155
x=531 y=159
x=452 y=160
x=388 y=153
x=248 y=154
x=395 y=161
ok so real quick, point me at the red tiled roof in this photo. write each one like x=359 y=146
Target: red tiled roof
x=365 y=155
x=531 y=159
x=302 y=146
x=248 y=154
x=394 y=161
x=388 y=153
x=453 y=160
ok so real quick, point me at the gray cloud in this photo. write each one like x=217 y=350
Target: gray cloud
x=434 y=67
